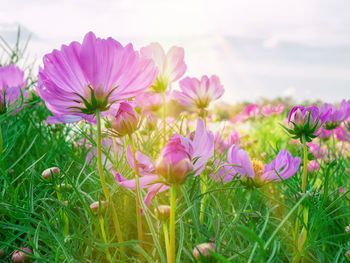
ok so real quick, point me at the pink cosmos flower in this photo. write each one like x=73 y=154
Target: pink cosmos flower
x=199 y=151
x=175 y=160
x=171 y=66
x=342 y=134
x=335 y=116
x=252 y=110
x=82 y=78
x=300 y=116
x=249 y=112
x=316 y=150
x=284 y=166
x=306 y=122
x=270 y=110
x=199 y=93
x=221 y=146
x=125 y=121
x=325 y=134
x=313 y=166
x=12 y=84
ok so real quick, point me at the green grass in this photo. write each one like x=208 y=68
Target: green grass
x=242 y=222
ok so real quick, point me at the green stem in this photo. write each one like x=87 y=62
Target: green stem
x=103 y=181
x=166 y=240
x=204 y=196
x=102 y=225
x=164 y=116
x=138 y=205
x=63 y=215
x=301 y=238
x=172 y=222
x=304 y=179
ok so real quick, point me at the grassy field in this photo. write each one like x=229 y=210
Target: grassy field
x=246 y=223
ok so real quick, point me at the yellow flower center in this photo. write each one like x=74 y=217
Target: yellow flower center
x=258 y=168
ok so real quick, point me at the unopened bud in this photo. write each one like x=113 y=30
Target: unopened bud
x=21 y=256
x=2 y=253
x=46 y=174
x=125 y=121
x=347 y=229
x=162 y=211
x=202 y=250
x=95 y=206
x=347 y=255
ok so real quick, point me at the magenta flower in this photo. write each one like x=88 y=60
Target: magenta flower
x=125 y=121
x=221 y=146
x=199 y=93
x=198 y=151
x=342 y=134
x=335 y=116
x=171 y=66
x=305 y=122
x=252 y=110
x=270 y=110
x=316 y=150
x=283 y=167
x=313 y=166
x=248 y=112
x=325 y=134
x=81 y=79
x=345 y=107
x=12 y=84
x=174 y=162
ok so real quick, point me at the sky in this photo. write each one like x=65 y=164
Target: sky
x=258 y=48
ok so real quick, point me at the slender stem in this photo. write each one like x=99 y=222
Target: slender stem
x=333 y=140
x=204 y=197
x=166 y=240
x=172 y=222
x=63 y=215
x=304 y=179
x=164 y=116
x=115 y=149
x=138 y=205
x=301 y=238
x=102 y=225
x=103 y=181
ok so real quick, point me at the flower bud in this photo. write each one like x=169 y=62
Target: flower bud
x=162 y=212
x=347 y=255
x=125 y=121
x=347 y=229
x=46 y=174
x=174 y=162
x=2 y=253
x=95 y=206
x=21 y=256
x=305 y=122
x=202 y=250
